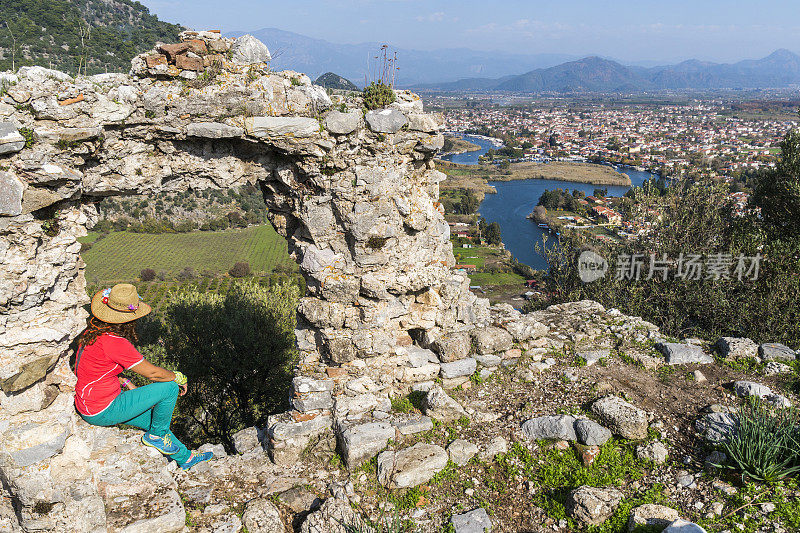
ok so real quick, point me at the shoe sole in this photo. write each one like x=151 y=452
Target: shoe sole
x=159 y=449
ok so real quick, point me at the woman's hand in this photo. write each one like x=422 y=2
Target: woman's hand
x=128 y=384
x=183 y=389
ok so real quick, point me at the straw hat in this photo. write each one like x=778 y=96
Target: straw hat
x=121 y=303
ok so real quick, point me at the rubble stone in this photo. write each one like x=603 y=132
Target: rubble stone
x=621 y=417
x=593 y=505
x=411 y=466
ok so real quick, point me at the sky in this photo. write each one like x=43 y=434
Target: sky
x=628 y=30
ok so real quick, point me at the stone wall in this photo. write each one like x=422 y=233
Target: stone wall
x=354 y=193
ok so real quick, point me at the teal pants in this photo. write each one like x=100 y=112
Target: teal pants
x=149 y=407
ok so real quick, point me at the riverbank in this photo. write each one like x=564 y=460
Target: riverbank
x=456 y=145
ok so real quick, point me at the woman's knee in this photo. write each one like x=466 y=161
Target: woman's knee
x=168 y=388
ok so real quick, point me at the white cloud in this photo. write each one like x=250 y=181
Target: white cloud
x=433 y=17
x=525 y=28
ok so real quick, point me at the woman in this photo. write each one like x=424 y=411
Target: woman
x=105 y=349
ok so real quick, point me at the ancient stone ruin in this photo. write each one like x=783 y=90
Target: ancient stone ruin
x=354 y=193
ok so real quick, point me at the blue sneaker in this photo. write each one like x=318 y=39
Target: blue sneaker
x=163 y=444
x=195 y=458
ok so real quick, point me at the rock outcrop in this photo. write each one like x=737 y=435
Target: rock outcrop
x=356 y=199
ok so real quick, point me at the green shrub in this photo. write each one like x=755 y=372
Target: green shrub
x=377 y=95
x=765 y=445
x=240 y=270
x=237 y=351
x=27 y=133
x=694 y=219
x=188 y=273
x=402 y=404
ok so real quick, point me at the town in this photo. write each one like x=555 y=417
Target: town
x=670 y=139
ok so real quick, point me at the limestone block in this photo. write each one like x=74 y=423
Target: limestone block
x=621 y=417
x=10 y=139
x=10 y=194
x=340 y=123
x=270 y=127
x=440 y=406
x=359 y=443
x=213 y=130
x=425 y=122
x=411 y=466
x=681 y=354
x=461 y=451
x=385 y=120
x=456 y=369
x=248 y=50
x=558 y=427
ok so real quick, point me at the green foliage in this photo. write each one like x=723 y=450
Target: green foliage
x=67 y=145
x=459 y=201
x=476 y=378
x=29 y=137
x=402 y=404
x=377 y=95
x=490 y=232
x=384 y=524
x=558 y=472
x=743 y=505
x=765 y=446
x=692 y=219
x=240 y=270
x=777 y=191
x=48 y=32
x=563 y=199
x=237 y=351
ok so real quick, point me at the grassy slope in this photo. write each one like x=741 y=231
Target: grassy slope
x=121 y=256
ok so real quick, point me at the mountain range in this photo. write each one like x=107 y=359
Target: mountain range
x=469 y=70
x=355 y=61
x=596 y=74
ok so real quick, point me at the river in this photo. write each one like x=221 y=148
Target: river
x=515 y=200
x=471 y=158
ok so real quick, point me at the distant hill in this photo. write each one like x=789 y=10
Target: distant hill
x=48 y=33
x=329 y=80
x=595 y=74
x=316 y=56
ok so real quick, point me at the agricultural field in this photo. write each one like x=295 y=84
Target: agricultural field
x=156 y=293
x=495 y=282
x=121 y=256
x=489 y=280
x=481 y=256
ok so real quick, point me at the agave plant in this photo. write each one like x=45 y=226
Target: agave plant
x=766 y=443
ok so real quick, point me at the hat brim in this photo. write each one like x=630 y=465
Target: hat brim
x=107 y=314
